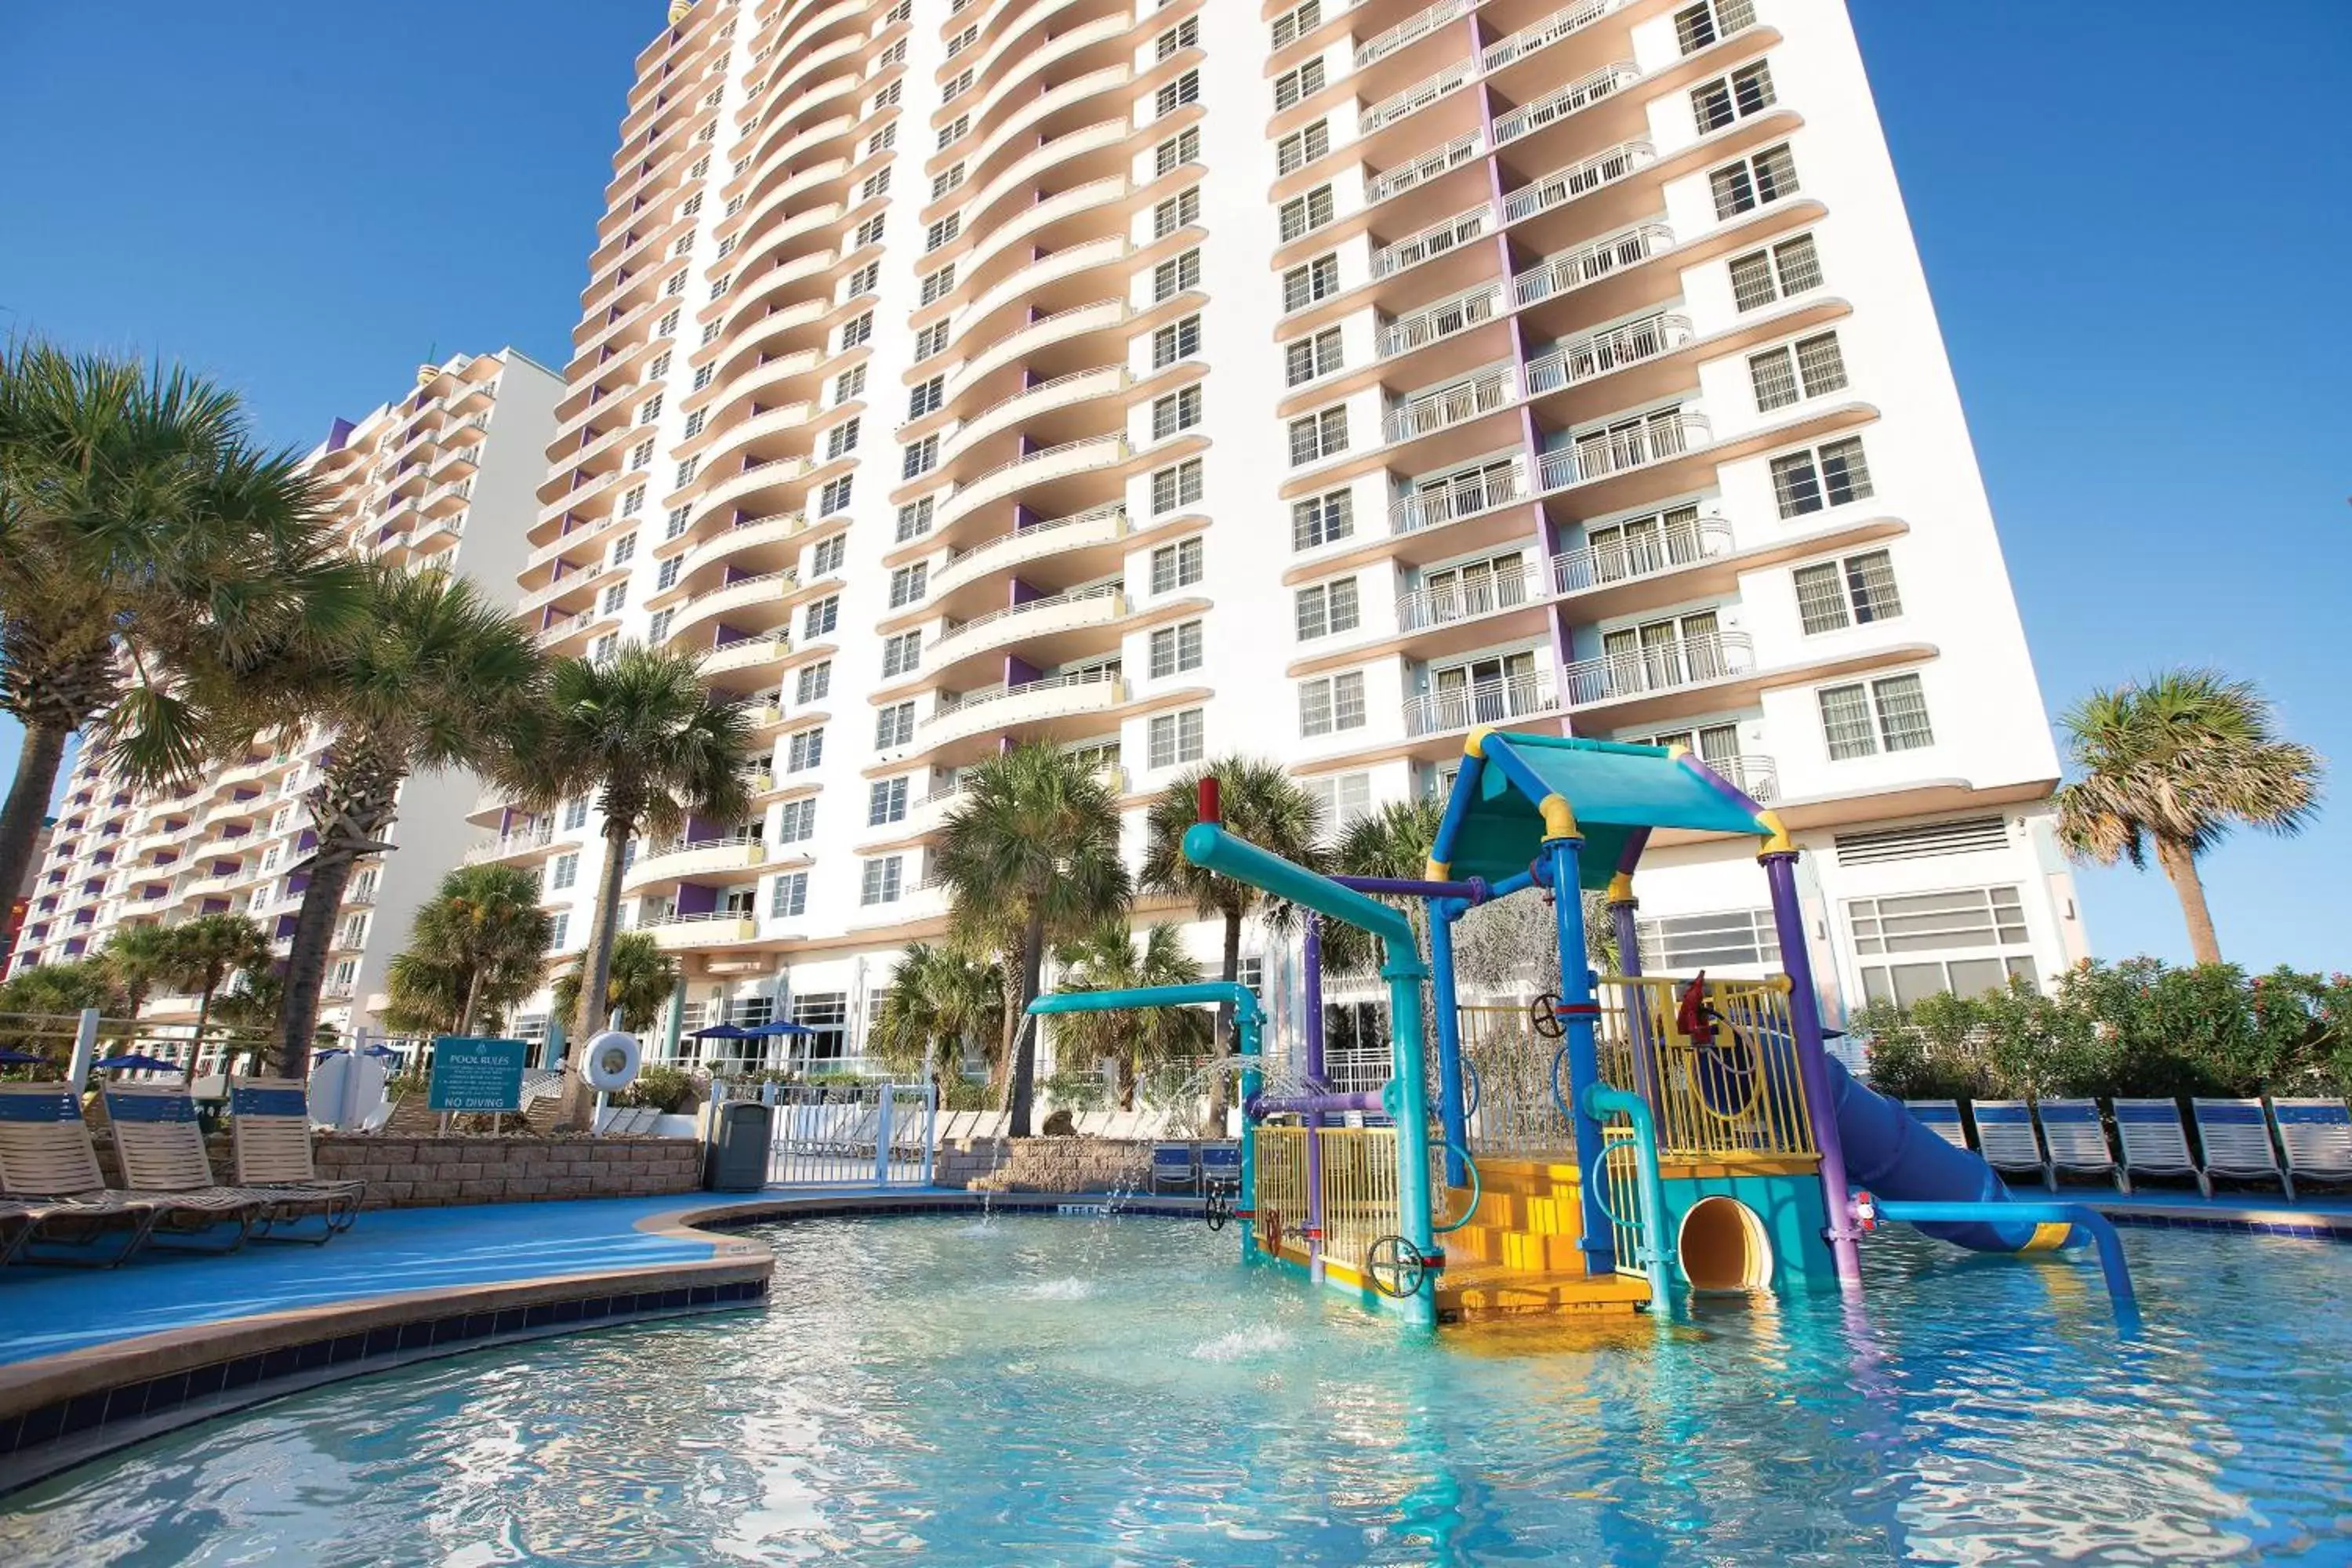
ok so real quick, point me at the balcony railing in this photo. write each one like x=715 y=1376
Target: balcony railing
x=1582 y=358
x=1572 y=269
x=1428 y=166
x=1505 y=589
x=1434 y=240
x=1482 y=394
x=1080 y=596
x=1606 y=452
x=1557 y=105
x=1678 y=544
x=1439 y=321
x=1110 y=676
x=1667 y=665
x=1564 y=185
x=1419 y=95
x=1551 y=30
x=512 y=844
x=1420 y=25
x=1428 y=509
x=1757 y=777
x=1493 y=701
x=1038 y=530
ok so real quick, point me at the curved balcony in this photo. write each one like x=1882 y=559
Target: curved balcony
x=560 y=633
x=1473 y=600
x=987 y=59
x=1756 y=777
x=1675 y=665
x=1077 y=89
x=798 y=72
x=1559 y=104
x=1669 y=548
x=719 y=928
x=763 y=374
x=1026 y=170
x=1034 y=469
x=1435 y=507
x=753 y=290
x=1498 y=702
x=1415 y=172
x=766 y=595
x=1101 y=316
x=753 y=480
x=1562 y=187
x=1437 y=239
x=1035 y=622
x=1058 y=209
x=1058 y=538
x=1035 y=703
x=1411 y=30
x=748 y=656
x=1441 y=83
x=527 y=845
x=1017 y=81
x=726 y=856
x=1657 y=440
x=727 y=440
x=1568 y=20
x=783 y=157
x=1446 y=319
x=777 y=242
x=1584 y=359
x=1108 y=250
x=1473 y=398
x=1589 y=263
x=760 y=536
x=1081 y=387
x=804 y=181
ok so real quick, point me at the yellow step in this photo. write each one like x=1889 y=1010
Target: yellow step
x=1484 y=1291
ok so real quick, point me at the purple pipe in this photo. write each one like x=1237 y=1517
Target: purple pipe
x=1363 y=1099
x=1476 y=889
x=1314 y=1064
x=1813 y=1061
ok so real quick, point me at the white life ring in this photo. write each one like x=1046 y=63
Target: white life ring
x=610 y=1061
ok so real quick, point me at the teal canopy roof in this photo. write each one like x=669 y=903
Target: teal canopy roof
x=1493 y=822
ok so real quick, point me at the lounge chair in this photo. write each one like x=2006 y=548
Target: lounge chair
x=49 y=1171
x=2006 y=1139
x=162 y=1150
x=1941 y=1117
x=2154 y=1141
x=2318 y=1136
x=2077 y=1140
x=1220 y=1167
x=1173 y=1165
x=269 y=1122
x=2236 y=1134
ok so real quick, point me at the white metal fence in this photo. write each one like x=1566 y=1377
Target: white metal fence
x=880 y=1134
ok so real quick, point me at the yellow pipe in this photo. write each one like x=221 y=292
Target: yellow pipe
x=1776 y=837
x=1476 y=746
x=1559 y=821
x=1621 y=888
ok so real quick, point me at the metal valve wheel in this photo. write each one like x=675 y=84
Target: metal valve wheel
x=1217 y=1208
x=1544 y=1014
x=1396 y=1267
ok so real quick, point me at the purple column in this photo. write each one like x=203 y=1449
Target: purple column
x=1313 y=1074
x=1622 y=906
x=1812 y=1064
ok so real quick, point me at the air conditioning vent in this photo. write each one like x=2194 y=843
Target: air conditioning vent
x=1924 y=841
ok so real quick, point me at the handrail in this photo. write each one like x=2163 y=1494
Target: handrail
x=1602 y=1102
x=1092 y=514
x=1437 y=238
x=1676 y=544
x=1419 y=95
x=1579 y=359
x=1404 y=176
x=1443 y=320
x=1561 y=186
x=1419 y=24
x=1043 y=683
x=1551 y=30
x=1565 y=100
x=1100 y=590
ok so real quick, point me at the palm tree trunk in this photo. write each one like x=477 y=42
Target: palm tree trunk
x=2180 y=864
x=204 y=1011
x=29 y=803
x=1232 y=972
x=473 y=1000
x=352 y=806
x=1024 y=1050
x=596 y=977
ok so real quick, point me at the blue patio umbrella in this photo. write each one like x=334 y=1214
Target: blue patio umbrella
x=9 y=1058
x=131 y=1061
x=725 y=1032
x=768 y=1031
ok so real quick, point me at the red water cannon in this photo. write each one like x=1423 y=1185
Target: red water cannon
x=1693 y=1018
x=1208 y=805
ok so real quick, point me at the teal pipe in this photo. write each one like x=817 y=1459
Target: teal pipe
x=1411 y=1118
x=1656 y=1257
x=1452 y=1108
x=1212 y=849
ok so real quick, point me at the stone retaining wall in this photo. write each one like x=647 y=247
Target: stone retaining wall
x=1070 y=1165
x=967 y=1162
x=428 y=1172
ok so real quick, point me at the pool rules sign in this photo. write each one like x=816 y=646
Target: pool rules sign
x=471 y=1074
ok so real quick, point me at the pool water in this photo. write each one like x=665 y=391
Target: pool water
x=1079 y=1391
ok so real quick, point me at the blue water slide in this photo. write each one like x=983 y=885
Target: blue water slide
x=1893 y=1154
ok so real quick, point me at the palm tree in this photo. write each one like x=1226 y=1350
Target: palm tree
x=147 y=545
x=1110 y=960
x=208 y=951
x=655 y=747
x=139 y=957
x=438 y=676
x=1029 y=855
x=1262 y=804
x=940 y=997
x=476 y=947
x=48 y=992
x=638 y=980
x=2178 y=761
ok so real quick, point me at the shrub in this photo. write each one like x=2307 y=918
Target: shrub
x=663 y=1089
x=1078 y=1089
x=965 y=1095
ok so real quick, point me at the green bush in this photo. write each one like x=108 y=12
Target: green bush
x=663 y=1089
x=1078 y=1089
x=965 y=1095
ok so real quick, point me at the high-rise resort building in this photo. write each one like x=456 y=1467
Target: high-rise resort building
x=1321 y=382
x=444 y=475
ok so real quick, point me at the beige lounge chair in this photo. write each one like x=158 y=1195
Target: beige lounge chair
x=270 y=1125
x=162 y=1150
x=49 y=1171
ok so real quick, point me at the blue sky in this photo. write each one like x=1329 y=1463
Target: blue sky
x=2141 y=278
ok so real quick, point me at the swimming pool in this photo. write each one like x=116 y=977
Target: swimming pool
x=1036 y=1389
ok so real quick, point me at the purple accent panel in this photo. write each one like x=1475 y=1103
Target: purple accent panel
x=1813 y=1061
x=506 y=816
x=167 y=856
x=1474 y=890
x=1029 y=378
x=734 y=575
x=1024 y=517
x=725 y=635
x=74 y=945
x=1028 y=444
x=285 y=927
x=1631 y=857
x=224 y=868
x=1023 y=594
x=698 y=828
x=696 y=901
x=307 y=842
x=215 y=906
x=237 y=830
x=239 y=795
x=339 y=435
x=1019 y=671
x=298 y=883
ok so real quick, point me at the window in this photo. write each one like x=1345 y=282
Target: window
x=1176 y=341
x=1696 y=26
x=718 y=286
x=886 y=801
x=880 y=885
x=864 y=280
x=1302 y=286
x=1856 y=591
x=882 y=141
x=827 y=558
x=930 y=341
x=695 y=421
x=633 y=502
x=675 y=525
x=614 y=598
x=814 y=684
x=1317 y=436
x=878 y=184
x=1831 y=474
x=1177 y=565
x=908 y=583
x=958 y=87
x=834 y=496
x=788 y=898
x=964 y=40
x=1183 y=148
x=660 y=365
x=642 y=455
x=1175 y=275
x=624 y=548
x=1326 y=609
x=1184 y=35
x=1304 y=215
x=822 y=617
x=602 y=650
x=902 y=654
x=651 y=410
x=914 y=520
x=1175 y=738
x=953 y=132
x=1174 y=95
x=667 y=327
x=849 y=384
x=1335 y=702
x=869 y=232
x=942 y=183
x=1745 y=91
x=1320 y=520
x=894 y=726
x=1939 y=922
x=796 y=821
x=1175 y=648
x=841 y=440
x=926 y=398
x=1177 y=411
x=559 y=932
x=1344 y=797
x=938 y=285
x=575 y=814
x=685 y=472
x=1807 y=368
x=674 y=286
x=942 y=232
x=702 y=376
x=562 y=872
x=1175 y=486
x=710 y=330
x=827 y=1014
x=1309 y=358
x=804 y=751
x=919 y=458
x=1749 y=182
x=1294 y=25
x=1294 y=86
x=1717 y=940
x=1763 y=276
x=1302 y=147
x=856 y=330
x=1869 y=717
x=1179 y=211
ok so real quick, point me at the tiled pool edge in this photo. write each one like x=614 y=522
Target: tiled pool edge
x=61 y=1411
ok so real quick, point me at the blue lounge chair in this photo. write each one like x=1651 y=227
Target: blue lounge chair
x=1172 y=1166
x=48 y=1169
x=2236 y=1134
x=1941 y=1117
x=2317 y=1137
x=2006 y=1139
x=2077 y=1140
x=2154 y=1142
x=1220 y=1167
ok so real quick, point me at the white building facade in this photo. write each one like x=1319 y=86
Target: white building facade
x=442 y=475
x=1318 y=381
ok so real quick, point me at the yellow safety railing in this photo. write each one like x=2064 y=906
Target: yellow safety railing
x=1281 y=1197
x=1360 y=1192
x=1741 y=1094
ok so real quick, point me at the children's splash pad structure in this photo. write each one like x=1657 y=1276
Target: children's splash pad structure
x=1633 y=1135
